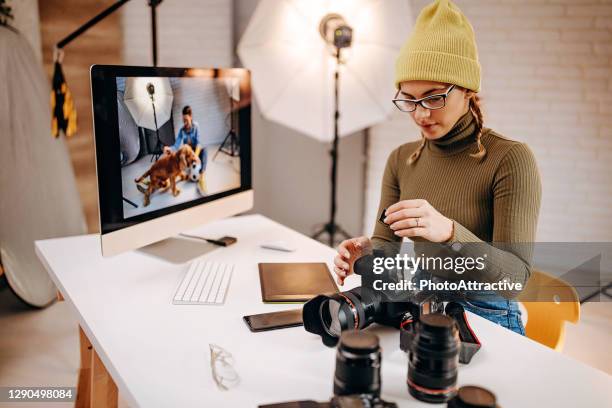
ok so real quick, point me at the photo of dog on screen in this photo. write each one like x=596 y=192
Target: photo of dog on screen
x=172 y=135
x=167 y=171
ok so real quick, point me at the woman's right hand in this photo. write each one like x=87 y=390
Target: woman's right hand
x=348 y=252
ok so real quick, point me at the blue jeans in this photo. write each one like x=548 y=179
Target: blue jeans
x=506 y=313
x=203 y=159
x=489 y=305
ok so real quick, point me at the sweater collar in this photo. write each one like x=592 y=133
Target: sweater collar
x=459 y=138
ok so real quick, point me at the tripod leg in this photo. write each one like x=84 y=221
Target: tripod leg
x=235 y=146
x=218 y=150
x=317 y=234
x=130 y=202
x=221 y=145
x=332 y=230
x=342 y=232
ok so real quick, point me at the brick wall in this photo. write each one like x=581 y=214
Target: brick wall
x=209 y=103
x=546 y=81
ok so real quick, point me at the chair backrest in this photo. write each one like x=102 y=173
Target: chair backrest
x=550 y=302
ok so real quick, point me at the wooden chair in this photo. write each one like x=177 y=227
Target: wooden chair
x=550 y=302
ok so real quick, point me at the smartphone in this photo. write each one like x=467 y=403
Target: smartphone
x=383 y=216
x=274 y=320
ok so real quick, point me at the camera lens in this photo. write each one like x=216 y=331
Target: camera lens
x=433 y=360
x=471 y=396
x=357 y=364
x=331 y=317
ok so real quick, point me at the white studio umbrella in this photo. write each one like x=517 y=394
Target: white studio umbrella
x=293 y=69
x=232 y=85
x=39 y=193
x=138 y=100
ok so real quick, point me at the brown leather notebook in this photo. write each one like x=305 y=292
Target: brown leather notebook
x=294 y=282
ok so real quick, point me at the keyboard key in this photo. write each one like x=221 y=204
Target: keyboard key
x=180 y=293
x=224 y=285
x=213 y=268
x=193 y=281
x=214 y=288
x=205 y=282
x=204 y=276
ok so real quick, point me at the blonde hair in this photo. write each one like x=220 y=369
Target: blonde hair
x=476 y=111
x=474 y=106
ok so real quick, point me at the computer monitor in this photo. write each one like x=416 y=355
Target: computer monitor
x=173 y=150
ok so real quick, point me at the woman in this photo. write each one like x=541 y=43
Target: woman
x=461 y=182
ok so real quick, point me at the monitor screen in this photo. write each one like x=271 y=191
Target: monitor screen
x=168 y=139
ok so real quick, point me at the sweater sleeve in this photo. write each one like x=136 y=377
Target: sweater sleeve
x=390 y=194
x=517 y=193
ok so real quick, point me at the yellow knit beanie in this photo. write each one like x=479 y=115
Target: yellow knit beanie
x=441 y=48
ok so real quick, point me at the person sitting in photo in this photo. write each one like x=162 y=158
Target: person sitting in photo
x=190 y=134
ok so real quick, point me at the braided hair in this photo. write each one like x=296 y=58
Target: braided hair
x=474 y=106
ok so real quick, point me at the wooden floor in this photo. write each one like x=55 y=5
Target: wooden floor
x=38 y=347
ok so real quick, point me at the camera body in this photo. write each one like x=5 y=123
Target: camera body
x=357 y=308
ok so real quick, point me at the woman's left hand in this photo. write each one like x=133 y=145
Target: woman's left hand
x=418 y=218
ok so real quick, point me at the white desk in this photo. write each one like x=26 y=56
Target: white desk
x=158 y=355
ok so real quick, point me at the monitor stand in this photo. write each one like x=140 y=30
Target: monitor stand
x=178 y=250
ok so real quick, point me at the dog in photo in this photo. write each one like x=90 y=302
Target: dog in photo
x=164 y=172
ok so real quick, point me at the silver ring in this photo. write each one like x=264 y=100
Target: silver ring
x=417 y=220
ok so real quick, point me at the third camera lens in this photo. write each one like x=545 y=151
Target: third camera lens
x=433 y=359
x=358 y=364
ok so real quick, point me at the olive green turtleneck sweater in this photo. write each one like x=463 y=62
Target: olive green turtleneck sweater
x=494 y=200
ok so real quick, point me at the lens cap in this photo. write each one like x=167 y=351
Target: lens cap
x=359 y=342
x=436 y=322
x=471 y=396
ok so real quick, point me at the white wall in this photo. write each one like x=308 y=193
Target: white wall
x=547 y=81
x=191 y=33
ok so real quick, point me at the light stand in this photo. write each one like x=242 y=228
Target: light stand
x=230 y=145
x=157 y=150
x=338 y=35
x=153 y=4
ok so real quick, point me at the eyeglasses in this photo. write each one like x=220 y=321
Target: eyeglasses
x=431 y=102
x=222 y=366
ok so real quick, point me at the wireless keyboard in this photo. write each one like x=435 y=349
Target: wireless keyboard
x=205 y=283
